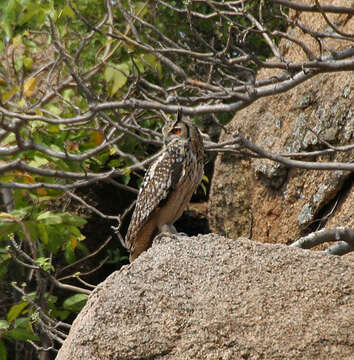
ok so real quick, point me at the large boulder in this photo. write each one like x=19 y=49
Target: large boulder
x=209 y=297
x=268 y=201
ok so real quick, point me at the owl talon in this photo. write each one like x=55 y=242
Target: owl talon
x=161 y=235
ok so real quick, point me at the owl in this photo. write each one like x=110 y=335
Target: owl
x=168 y=185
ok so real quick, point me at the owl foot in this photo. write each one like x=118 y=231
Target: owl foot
x=163 y=234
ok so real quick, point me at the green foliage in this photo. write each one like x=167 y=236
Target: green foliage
x=115 y=256
x=4 y=325
x=53 y=234
x=205 y=180
x=19 y=329
x=45 y=264
x=19 y=13
x=116 y=77
x=16 y=310
x=75 y=303
x=3 y=350
x=4 y=262
x=52 y=230
x=21 y=334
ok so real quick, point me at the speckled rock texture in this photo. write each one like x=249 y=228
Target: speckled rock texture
x=267 y=201
x=209 y=297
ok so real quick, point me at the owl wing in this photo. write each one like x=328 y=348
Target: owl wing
x=159 y=181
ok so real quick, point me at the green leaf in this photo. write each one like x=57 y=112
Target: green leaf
x=4 y=261
x=126 y=171
x=3 y=351
x=140 y=8
x=31 y=11
x=16 y=310
x=43 y=233
x=19 y=62
x=69 y=252
x=20 y=334
x=20 y=213
x=53 y=108
x=32 y=227
x=4 y=325
x=76 y=232
x=67 y=11
x=54 y=129
x=22 y=322
x=4 y=251
x=72 y=219
x=38 y=161
x=11 y=138
x=52 y=300
x=56 y=238
x=31 y=295
x=27 y=63
x=126 y=179
x=60 y=314
x=116 y=163
x=83 y=248
x=7 y=229
x=8 y=178
x=50 y=218
x=45 y=264
x=204 y=188
x=10 y=16
x=68 y=94
x=151 y=60
x=75 y=303
x=139 y=64
x=115 y=257
x=9 y=94
x=116 y=78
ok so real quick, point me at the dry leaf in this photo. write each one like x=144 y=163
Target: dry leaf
x=29 y=86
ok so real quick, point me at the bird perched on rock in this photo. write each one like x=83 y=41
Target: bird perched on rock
x=168 y=185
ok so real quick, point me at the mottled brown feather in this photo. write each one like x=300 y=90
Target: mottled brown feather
x=168 y=185
x=160 y=180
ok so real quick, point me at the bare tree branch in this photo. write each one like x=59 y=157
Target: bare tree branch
x=314 y=8
x=344 y=236
x=294 y=163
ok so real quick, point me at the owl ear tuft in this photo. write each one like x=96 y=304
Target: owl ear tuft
x=179 y=114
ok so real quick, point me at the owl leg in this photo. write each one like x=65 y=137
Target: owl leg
x=170 y=229
x=166 y=228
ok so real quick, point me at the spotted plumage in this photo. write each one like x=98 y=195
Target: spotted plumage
x=168 y=185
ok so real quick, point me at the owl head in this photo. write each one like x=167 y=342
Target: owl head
x=177 y=129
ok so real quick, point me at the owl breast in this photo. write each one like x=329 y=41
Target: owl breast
x=190 y=177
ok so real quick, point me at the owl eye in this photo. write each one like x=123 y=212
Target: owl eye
x=176 y=131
